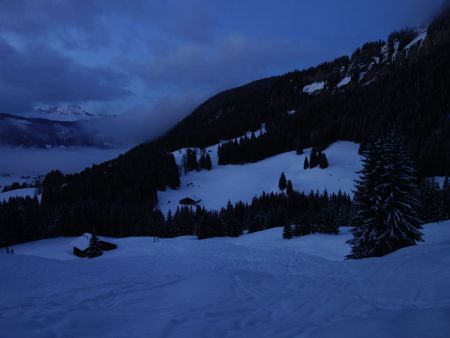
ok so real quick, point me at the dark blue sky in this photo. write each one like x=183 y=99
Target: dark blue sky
x=117 y=56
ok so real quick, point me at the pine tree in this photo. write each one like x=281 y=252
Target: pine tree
x=288 y=233
x=282 y=183
x=446 y=198
x=313 y=161
x=289 y=188
x=94 y=249
x=386 y=201
x=323 y=161
x=431 y=201
x=208 y=163
x=306 y=163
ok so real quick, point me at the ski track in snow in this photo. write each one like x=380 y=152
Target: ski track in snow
x=257 y=285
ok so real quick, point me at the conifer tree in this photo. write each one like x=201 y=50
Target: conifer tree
x=306 y=163
x=323 y=161
x=94 y=249
x=386 y=201
x=282 y=183
x=313 y=161
x=446 y=198
x=289 y=188
x=288 y=233
x=208 y=163
x=431 y=201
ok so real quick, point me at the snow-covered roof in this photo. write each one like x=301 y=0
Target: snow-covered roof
x=82 y=242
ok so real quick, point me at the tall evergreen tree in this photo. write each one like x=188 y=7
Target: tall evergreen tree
x=289 y=188
x=446 y=198
x=431 y=198
x=288 y=233
x=386 y=201
x=282 y=182
x=94 y=249
x=306 y=163
x=323 y=161
x=208 y=162
x=313 y=159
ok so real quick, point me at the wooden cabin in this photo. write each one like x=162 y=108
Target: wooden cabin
x=189 y=201
x=81 y=245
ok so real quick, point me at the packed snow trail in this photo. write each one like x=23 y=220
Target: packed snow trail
x=257 y=285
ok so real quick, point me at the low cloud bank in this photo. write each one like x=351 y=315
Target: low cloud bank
x=36 y=161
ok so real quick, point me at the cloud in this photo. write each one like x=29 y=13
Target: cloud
x=92 y=23
x=38 y=73
x=140 y=124
x=229 y=61
x=123 y=55
x=36 y=161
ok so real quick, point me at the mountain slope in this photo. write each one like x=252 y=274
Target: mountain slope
x=237 y=183
x=403 y=83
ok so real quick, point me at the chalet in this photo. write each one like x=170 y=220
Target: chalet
x=81 y=245
x=189 y=201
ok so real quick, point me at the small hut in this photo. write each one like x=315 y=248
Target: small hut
x=81 y=245
x=189 y=201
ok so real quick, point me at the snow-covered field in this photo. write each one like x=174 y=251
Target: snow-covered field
x=9 y=179
x=242 y=182
x=258 y=285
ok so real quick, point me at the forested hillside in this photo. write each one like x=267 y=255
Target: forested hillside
x=401 y=84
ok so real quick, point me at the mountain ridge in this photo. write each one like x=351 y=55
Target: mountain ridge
x=358 y=99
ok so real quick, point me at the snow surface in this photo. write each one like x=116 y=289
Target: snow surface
x=396 y=47
x=257 y=285
x=314 y=87
x=242 y=182
x=345 y=81
x=5 y=196
x=421 y=36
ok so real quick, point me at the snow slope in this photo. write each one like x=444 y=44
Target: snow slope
x=242 y=182
x=257 y=285
x=314 y=87
x=5 y=196
x=345 y=81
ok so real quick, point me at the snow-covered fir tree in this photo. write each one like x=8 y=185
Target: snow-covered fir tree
x=386 y=200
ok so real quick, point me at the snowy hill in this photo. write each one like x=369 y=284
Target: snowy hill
x=242 y=182
x=257 y=285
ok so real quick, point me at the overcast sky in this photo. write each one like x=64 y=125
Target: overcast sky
x=116 y=56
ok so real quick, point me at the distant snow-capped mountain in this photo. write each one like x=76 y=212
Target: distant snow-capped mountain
x=69 y=113
x=38 y=132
